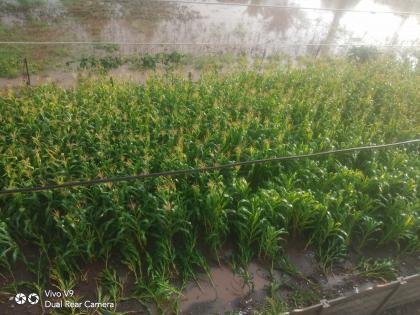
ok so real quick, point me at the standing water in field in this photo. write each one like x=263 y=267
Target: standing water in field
x=149 y=21
x=219 y=27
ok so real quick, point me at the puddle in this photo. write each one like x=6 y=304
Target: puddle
x=62 y=79
x=334 y=280
x=304 y=260
x=225 y=291
x=206 y=297
x=124 y=73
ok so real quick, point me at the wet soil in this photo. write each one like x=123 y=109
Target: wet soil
x=224 y=288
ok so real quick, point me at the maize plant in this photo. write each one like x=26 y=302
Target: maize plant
x=164 y=229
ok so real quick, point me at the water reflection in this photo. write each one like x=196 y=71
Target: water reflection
x=271 y=28
x=334 y=25
x=402 y=6
x=276 y=19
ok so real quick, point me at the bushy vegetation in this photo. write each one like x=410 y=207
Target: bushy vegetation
x=362 y=54
x=151 y=61
x=11 y=63
x=103 y=63
x=142 y=62
x=382 y=269
x=163 y=228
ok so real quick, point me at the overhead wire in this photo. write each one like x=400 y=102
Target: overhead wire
x=180 y=172
x=284 y=44
x=288 y=7
x=198 y=44
x=223 y=166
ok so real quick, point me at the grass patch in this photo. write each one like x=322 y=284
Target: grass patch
x=149 y=61
x=101 y=64
x=11 y=63
x=380 y=269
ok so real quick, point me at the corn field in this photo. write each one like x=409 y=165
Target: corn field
x=164 y=229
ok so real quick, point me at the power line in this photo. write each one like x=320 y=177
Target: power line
x=199 y=44
x=110 y=43
x=287 y=7
x=198 y=170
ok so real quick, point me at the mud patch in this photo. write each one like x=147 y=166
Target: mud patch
x=223 y=290
x=303 y=259
x=61 y=79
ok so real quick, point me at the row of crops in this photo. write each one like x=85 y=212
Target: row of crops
x=164 y=229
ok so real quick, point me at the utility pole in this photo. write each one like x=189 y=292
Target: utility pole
x=28 y=77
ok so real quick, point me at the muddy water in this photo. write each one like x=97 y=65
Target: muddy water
x=223 y=290
x=151 y=21
x=249 y=29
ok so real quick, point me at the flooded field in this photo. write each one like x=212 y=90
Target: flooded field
x=259 y=240
x=262 y=28
x=236 y=25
